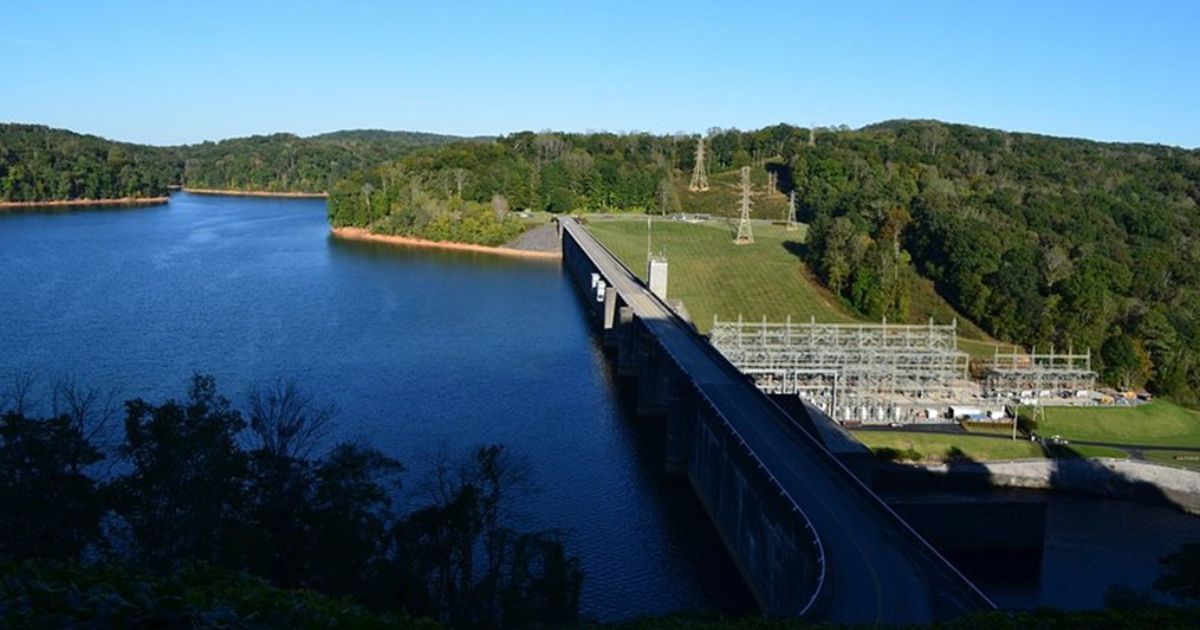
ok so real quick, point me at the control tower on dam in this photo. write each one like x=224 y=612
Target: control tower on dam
x=808 y=537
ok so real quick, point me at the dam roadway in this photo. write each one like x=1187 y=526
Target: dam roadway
x=875 y=569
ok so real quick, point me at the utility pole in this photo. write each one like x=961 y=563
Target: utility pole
x=699 y=181
x=791 y=212
x=745 y=234
x=649 y=220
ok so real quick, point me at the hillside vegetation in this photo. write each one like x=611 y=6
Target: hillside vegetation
x=288 y=163
x=1039 y=240
x=38 y=163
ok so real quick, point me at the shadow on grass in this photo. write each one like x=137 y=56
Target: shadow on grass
x=797 y=249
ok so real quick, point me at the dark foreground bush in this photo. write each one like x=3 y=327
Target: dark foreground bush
x=57 y=595
x=889 y=454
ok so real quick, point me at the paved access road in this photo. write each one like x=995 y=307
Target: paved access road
x=879 y=571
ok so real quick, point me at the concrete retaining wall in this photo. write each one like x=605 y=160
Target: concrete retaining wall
x=1114 y=478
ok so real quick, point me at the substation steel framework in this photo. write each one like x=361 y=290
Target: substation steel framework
x=1015 y=372
x=860 y=364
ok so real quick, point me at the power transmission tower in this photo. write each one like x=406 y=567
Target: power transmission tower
x=791 y=211
x=745 y=234
x=772 y=182
x=812 y=135
x=699 y=171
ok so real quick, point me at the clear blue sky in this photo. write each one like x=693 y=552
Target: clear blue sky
x=168 y=72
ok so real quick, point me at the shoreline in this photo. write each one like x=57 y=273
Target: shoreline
x=359 y=234
x=74 y=203
x=253 y=193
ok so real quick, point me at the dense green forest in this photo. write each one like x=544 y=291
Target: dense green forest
x=41 y=164
x=288 y=163
x=38 y=163
x=196 y=482
x=1040 y=240
x=465 y=191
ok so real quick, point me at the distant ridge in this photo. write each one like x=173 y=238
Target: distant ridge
x=413 y=138
x=901 y=124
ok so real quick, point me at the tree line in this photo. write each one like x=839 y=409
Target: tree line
x=38 y=163
x=42 y=164
x=197 y=482
x=465 y=191
x=546 y=171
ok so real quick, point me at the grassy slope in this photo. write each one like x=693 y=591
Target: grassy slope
x=1085 y=450
x=1182 y=459
x=713 y=276
x=723 y=199
x=936 y=446
x=1160 y=423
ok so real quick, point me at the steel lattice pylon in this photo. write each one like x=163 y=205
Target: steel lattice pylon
x=699 y=181
x=745 y=233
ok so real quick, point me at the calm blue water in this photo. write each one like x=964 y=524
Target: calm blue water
x=419 y=350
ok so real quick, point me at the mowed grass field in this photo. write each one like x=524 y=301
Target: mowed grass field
x=723 y=198
x=714 y=276
x=1160 y=423
x=1182 y=459
x=937 y=447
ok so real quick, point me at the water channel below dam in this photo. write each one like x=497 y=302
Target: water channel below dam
x=423 y=350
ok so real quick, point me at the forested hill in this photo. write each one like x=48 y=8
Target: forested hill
x=463 y=191
x=405 y=138
x=1040 y=240
x=289 y=163
x=38 y=163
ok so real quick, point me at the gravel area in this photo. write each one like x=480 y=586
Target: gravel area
x=543 y=238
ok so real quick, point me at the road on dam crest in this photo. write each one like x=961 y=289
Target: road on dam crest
x=878 y=569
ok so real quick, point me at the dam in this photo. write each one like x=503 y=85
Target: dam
x=809 y=539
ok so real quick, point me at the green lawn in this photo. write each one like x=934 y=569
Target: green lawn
x=712 y=275
x=1185 y=459
x=1159 y=423
x=715 y=277
x=937 y=446
x=723 y=198
x=1084 y=450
